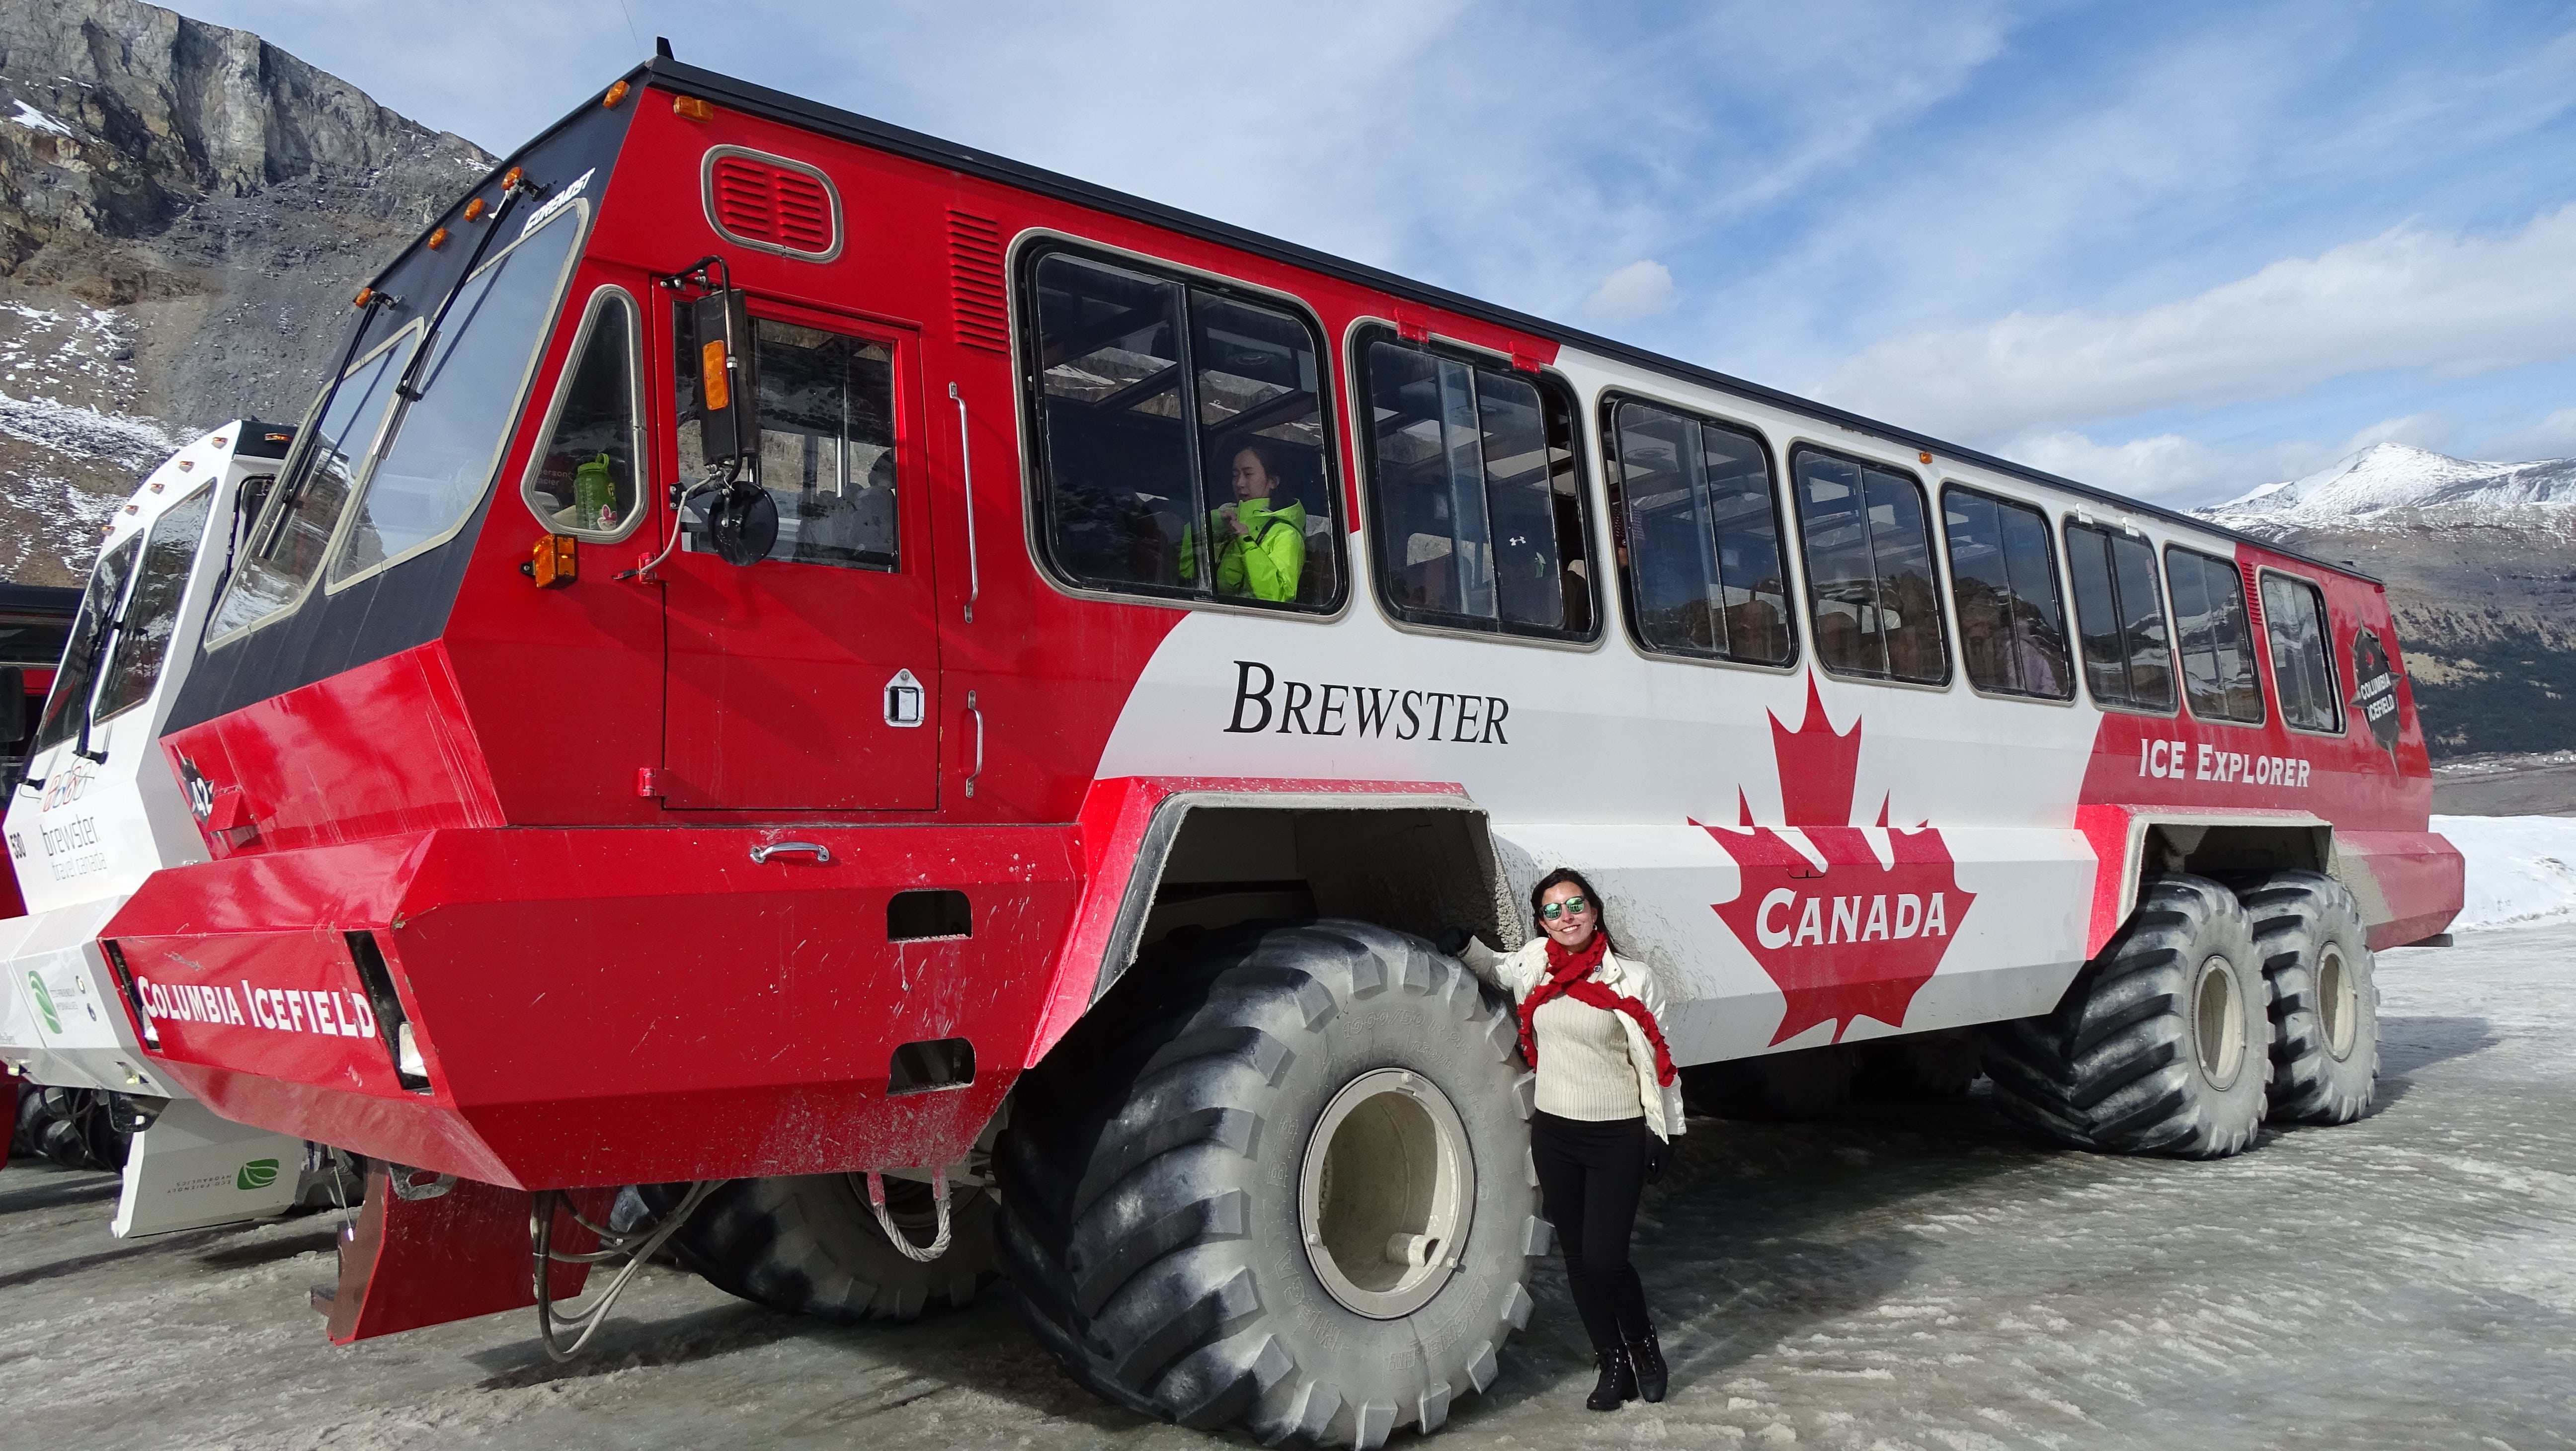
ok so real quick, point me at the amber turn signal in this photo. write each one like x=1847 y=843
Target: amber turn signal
x=365 y=296
x=474 y=210
x=438 y=239
x=554 y=562
x=692 y=108
x=717 y=387
x=512 y=179
x=616 y=93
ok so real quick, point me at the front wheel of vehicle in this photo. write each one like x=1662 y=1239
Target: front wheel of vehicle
x=1280 y=1179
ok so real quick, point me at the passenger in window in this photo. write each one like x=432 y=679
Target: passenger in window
x=1259 y=540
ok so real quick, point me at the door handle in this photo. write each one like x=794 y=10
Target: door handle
x=966 y=468
x=973 y=710
x=761 y=854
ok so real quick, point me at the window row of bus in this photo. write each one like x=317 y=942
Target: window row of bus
x=1184 y=449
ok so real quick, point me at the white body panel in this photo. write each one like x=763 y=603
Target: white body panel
x=191 y=1170
x=83 y=843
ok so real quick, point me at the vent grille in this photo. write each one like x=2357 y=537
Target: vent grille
x=773 y=204
x=975 y=281
x=2253 y=598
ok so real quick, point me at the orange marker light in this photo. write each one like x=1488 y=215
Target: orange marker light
x=474 y=210
x=438 y=239
x=616 y=93
x=717 y=387
x=1924 y=454
x=365 y=296
x=511 y=179
x=692 y=108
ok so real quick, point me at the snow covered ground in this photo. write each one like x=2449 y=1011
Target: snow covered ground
x=2522 y=869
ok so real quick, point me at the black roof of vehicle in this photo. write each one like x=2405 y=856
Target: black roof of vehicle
x=39 y=599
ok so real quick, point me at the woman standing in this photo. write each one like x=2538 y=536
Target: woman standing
x=1608 y=1107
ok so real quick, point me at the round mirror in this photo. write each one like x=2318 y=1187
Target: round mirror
x=743 y=524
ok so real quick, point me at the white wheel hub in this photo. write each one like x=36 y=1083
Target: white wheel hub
x=2218 y=1023
x=1386 y=1194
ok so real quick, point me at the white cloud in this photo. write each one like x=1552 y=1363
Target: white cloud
x=2552 y=437
x=2458 y=305
x=2172 y=469
x=1640 y=289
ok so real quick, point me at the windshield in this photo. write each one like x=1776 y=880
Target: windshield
x=286 y=544
x=80 y=658
x=29 y=638
x=447 y=443
x=152 y=610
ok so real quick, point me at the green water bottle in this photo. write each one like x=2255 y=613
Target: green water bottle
x=594 y=495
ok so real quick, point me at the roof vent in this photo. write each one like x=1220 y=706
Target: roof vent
x=772 y=203
x=975 y=281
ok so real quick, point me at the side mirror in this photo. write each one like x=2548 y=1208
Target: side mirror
x=728 y=387
x=13 y=705
x=742 y=524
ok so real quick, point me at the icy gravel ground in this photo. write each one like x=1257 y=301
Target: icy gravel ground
x=1897 y=1278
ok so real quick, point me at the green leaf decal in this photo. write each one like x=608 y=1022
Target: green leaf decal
x=44 y=1003
x=257 y=1174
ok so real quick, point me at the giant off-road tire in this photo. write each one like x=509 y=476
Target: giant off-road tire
x=2160 y=1045
x=1279 y=1178
x=809 y=1244
x=2325 y=999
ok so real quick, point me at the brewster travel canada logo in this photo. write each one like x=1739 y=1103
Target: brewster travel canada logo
x=1845 y=930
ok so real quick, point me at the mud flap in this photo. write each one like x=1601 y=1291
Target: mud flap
x=192 y=1169
x=445 y=1249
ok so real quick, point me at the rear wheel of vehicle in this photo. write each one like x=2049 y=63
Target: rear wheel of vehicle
x=2160 y=1044
x=2315 y=949
x=1279 y=1178
x=810 y=1244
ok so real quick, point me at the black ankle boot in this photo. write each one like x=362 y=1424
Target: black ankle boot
x=1618 y=1381
x=1646 y=1361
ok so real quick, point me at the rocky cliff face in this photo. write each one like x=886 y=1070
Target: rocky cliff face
x=184 y=211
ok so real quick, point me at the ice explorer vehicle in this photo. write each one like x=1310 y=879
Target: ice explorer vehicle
x=740 y=681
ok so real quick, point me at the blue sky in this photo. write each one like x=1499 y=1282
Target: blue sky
x=2179 y=249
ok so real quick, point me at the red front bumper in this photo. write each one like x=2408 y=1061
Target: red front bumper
x=603 y=1006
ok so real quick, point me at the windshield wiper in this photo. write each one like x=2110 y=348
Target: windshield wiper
x=298 y=469
x=514 y=185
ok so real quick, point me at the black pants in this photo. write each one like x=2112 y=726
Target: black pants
x=1589 y=1176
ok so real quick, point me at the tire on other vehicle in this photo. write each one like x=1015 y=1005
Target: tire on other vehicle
x=810 y=1244
x=2315 y=948
x=1279 y=1178
x=2160 y=1046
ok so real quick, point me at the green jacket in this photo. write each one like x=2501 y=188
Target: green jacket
x=1264 y=563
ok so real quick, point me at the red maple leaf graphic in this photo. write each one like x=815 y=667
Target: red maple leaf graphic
x=1850 y=936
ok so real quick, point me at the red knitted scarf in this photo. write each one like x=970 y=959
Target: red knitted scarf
x=1570 y=973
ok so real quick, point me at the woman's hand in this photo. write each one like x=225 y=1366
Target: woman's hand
x=1659 y=1152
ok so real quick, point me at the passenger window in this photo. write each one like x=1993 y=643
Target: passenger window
x=2217 y=648
x=2012 y=628
x=1479 y=509
x=285 y=546
x=1876 y=609
x=2121 y=617
x=1183 y=448
x=583 y=481
x=2302 y=657
x=827 y=443
x=448 y=436
x=1697 y=530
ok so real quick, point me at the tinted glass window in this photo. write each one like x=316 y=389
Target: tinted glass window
x=827 y=443
x=583 y=479
x=2302 y=658
x=1697 y=528
x=76 y=681
x=447 y=440
x=152 y=609
x=2217 y=649
x=2012 y=630
x=285 y=547
x=2120 y=614
x=1480 y=514
x=1875 y=607
x=1183 y=449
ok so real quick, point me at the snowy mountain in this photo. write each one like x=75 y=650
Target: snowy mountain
x=184 y=211
x=2391 y=485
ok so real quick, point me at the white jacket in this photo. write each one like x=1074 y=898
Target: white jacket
x=1626 y=976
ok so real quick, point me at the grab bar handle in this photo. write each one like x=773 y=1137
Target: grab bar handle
x=966 y=467
x=973 y=710
x=761 y=854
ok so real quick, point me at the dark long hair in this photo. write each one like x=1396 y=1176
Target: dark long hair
x=1600 y=909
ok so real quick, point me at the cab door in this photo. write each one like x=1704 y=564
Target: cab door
x=809 y=680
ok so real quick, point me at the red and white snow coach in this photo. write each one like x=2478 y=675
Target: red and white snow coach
x=756 y=673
